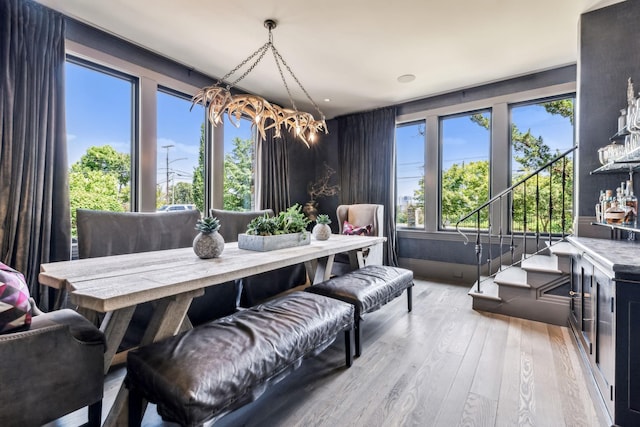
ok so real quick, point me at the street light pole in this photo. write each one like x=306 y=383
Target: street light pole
x=167 y=147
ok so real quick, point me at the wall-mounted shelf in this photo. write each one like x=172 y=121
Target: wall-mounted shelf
x=627 y=163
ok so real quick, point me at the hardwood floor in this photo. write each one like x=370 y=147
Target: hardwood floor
x=443 y=364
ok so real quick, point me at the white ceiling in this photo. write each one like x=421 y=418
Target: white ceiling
x=351 y=51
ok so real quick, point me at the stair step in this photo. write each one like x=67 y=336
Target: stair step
x=489 y=290
x=541 y=263
x=513 y=276
x=564 y=248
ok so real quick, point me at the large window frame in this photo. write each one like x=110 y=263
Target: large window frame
x=500 y=154
x=144 y=153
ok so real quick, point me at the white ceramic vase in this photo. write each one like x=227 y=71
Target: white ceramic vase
x=208 y=245
x=321 y=231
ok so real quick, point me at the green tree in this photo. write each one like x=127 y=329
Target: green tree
x=197 y=190
x=238 y=175
x=91 y=189
x=181 y=193
x=99 y=180
x=464 y=188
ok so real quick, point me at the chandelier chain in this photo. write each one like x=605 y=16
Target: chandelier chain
x=262 y=49
x=275 y=51
x=284 y=81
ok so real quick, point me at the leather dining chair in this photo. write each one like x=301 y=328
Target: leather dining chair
x=102 y=233
x=260 y=287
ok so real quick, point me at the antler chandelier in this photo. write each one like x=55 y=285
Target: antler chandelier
x=218 y=99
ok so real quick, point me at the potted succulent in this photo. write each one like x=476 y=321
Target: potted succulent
x=322 y=231
x=285 y=230
x=208 y=243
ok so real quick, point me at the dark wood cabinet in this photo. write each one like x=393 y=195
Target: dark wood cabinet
x=605 y=317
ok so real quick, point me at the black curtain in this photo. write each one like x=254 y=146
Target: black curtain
x=34 y=200
x=274 y=177
x=367 y=166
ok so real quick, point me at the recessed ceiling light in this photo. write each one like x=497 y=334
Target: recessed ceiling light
x=327 y=100
x=406 y=78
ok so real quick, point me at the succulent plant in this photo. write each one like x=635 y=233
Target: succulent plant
x=292 y=220
x=262 y=226
x=208 y=225
x=323 y=219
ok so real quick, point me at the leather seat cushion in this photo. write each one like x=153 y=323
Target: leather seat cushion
x=217 y=367
x=367 y=288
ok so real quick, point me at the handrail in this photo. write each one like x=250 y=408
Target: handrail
x=498 y=199
x=510 y=189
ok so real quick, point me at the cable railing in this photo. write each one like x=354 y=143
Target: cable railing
x=536 y=210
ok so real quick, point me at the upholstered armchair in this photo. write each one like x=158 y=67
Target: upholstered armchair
x=52 y=369
x=258 y=288
x=102 y=233
x=361 y=215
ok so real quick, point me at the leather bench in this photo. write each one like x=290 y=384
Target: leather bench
x=367 y=289
x=209 y=371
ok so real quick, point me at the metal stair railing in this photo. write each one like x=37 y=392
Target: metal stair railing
x=513 y=203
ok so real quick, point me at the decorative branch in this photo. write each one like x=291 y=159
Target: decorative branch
x=321 y=187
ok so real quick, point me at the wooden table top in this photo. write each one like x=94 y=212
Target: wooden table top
x=113 y=282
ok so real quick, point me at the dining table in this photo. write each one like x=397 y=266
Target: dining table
x=171 y=279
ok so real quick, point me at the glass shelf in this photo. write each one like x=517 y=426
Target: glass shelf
x=627 y=163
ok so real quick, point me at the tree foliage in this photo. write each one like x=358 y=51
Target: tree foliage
x=99 y=180
x=238 y=176
x=198 y=175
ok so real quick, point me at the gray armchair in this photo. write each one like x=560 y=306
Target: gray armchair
x=260 y=287
x=52 y=369
x=102 y=233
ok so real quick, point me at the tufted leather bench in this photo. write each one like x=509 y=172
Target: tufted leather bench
x=217 y=367
x=367 y=289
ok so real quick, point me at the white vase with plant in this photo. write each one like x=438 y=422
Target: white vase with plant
x=208 y=243
x=322 y=231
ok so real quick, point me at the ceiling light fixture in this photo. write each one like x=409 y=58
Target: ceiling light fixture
x=406 y=78
x=218 y=99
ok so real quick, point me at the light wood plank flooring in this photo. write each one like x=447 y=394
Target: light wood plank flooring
x=441 y=365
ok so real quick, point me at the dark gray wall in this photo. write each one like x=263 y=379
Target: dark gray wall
x=609 y=55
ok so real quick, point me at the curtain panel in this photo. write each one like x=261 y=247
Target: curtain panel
x=34 y=199
x=274 y=172
x=366 y=144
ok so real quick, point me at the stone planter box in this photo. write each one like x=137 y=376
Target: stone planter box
x=270 y=243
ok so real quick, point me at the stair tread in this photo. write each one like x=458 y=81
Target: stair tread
x=489 y=290
x=541 y=263
x=564 y=248
x=513 y=276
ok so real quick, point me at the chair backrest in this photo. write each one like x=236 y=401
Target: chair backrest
x=362 y=215
x=233 y=223
x=102 y=233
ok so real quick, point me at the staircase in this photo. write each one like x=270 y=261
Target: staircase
x=536 y=289
x=535 y=285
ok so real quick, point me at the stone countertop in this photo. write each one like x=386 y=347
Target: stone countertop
x=621 y=256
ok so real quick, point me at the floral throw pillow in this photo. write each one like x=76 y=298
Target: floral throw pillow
x=15 y=308
x=353 y=230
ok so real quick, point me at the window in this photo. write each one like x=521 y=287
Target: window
x=410 y=161
x=180 y=152
x=239 y=166
x=100 y=120
x=540 y=132
x=464 y=168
